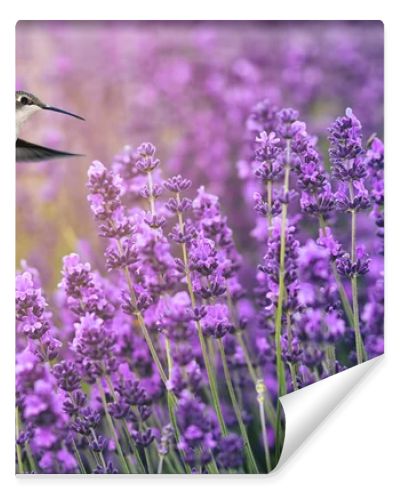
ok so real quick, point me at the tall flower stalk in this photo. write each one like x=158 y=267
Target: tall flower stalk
x=105 y=190
x=183 y=234
x=274 y=156
x=349 y=168
x=214 y=225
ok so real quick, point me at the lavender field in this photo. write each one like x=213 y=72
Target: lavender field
x=219 y=245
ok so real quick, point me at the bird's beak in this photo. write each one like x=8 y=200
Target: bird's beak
x=58 y=110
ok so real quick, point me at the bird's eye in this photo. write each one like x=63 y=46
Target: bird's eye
x=24 y=100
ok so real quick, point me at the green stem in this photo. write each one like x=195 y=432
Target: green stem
x=123 y=462
x=254 y=375
x=212 y=381
x=78 y=457
x=212 y=467
x=293 y=376
x=343 y=296
x=173 y=458
x=21 y=469
x=279 y=433
x=170 y=467
x=172 y=416
x=353 y=223
x=92 y=460
x=171 y=402
x=151 y=196
x=169 y=357
x=31 y=460
x=260 y=398
x=269 y=201
x=360 y=349
x=342 y=293
x=160 y=464
x=331 y=358
x=99 y=453
x=248 y=451
x=148 y=460
x=292 y=366
x=212 y=356
x=280 y=369
x=133 y=447
x=279 y=310
x=143 y=328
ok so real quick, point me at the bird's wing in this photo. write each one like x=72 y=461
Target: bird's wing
x=26 y=151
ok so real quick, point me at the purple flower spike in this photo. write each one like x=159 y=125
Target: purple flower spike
x=32 y=319
x=177 y=184
x=146 y=162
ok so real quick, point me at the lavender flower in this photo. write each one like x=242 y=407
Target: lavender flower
x=349 y=167
x=346 y=151
x=32 y=319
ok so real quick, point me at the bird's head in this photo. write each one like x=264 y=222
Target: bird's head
x=27 y=104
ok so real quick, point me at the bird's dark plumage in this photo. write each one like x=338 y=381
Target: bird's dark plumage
x=28 y=152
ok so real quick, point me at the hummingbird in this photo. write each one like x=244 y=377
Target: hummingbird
x=26 y=105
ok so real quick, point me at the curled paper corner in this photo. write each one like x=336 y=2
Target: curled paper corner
x=306 y=409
